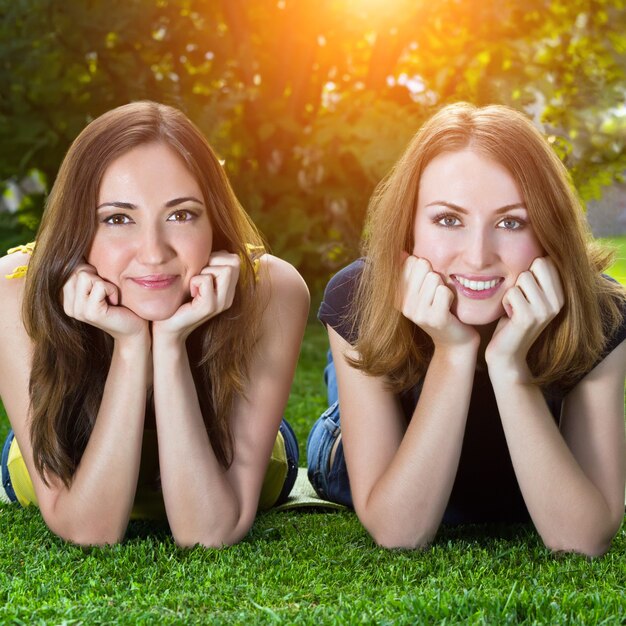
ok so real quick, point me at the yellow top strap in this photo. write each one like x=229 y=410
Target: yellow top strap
x=256 y=262
x=26 y=249
x=20 y=272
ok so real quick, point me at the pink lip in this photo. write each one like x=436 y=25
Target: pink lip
x=156 y=281
x=485 y=294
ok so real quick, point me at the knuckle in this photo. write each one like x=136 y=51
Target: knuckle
x=422 y=264
x=539 y=262
x=83 y=279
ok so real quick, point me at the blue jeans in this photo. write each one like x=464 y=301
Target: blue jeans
x=330 y=483
x=293 y=457
x=6 y=478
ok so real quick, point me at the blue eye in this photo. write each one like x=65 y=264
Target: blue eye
x=511 y=223
x=448 y=220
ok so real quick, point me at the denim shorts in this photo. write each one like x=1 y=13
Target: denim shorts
x=330 y=483
x=6 y=477
x=293 y=457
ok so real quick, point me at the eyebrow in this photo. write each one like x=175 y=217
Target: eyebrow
x=169 y=204
x=460 y=209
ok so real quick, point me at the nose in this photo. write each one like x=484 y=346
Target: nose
x=480 y=250
x=153 y=247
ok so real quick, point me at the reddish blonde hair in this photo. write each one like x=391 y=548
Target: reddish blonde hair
x=390 y=345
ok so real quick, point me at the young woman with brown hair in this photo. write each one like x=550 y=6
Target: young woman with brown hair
x=478 y=350
x=148 y=346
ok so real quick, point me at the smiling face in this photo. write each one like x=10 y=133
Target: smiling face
x=472 y=225
x=153 y=232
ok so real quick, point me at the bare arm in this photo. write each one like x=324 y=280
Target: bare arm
x=401 y=479
x=573 y=480
x=96 y=507
x=205 y=503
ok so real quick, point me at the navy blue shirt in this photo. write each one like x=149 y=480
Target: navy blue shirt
x=485 y=487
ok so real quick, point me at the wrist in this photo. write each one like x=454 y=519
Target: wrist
x=457 y=354
x=167 y=344
x=163 y=333
x=509 y=372
x=133 y=356
x=133 y=346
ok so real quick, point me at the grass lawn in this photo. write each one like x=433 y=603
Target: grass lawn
x=618 y=271
x=305 y=567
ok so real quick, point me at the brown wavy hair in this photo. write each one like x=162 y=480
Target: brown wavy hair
x=390 y=345
x=70 y=358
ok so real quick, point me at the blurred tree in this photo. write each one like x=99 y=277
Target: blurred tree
x=310 y=102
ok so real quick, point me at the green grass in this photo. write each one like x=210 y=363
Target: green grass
x=305 y=567
x=618 y=271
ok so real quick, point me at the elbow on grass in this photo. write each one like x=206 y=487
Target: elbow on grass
x=212 y=532
x=589 y=549
x=81 y=530
x=393 y=536
x=591 y=546
x=391 y=539
x=588 y=536
x=87 y=539
x=192 y=540
x=87 y=536
x=209 y=539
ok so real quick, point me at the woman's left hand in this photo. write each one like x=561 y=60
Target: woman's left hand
x=530 y=305
x=212 y=291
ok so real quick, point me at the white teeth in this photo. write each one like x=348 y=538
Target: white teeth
x=477 y=285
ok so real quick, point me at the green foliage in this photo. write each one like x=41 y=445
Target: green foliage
x=310 y=102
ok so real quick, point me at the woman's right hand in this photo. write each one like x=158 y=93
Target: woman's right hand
x=424 y=299
x=89 y=298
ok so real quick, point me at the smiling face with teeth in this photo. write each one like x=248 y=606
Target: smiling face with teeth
x=472 y=225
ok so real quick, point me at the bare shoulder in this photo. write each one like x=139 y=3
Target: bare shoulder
x=11 y=294
x=12 y=289
x=15 y=345
x=281 y=283
x=11 y=262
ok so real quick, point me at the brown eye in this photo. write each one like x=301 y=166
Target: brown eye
x=180 y=216
x=117 y=220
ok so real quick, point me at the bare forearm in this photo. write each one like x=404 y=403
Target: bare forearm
x=96 y=508
x=415 y=489
x=568 y=510
x=200 y=502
